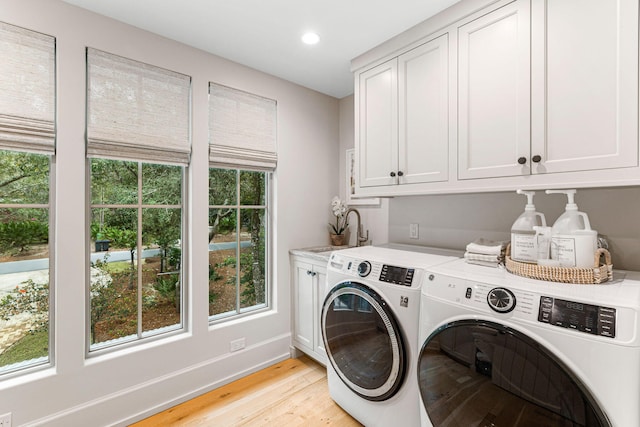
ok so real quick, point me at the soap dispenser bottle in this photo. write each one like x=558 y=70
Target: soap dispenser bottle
x=523 y=233
x=573 y=242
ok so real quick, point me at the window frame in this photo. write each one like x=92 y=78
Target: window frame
x=267 y=207
x=24 y=368
x=141 y=337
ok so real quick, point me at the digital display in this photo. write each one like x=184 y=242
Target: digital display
x=396 y=275
x=574 y=306
x=587 y=318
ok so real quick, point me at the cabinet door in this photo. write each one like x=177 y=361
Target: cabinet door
x=493 y=94
x=378 y=126
x=321 y=283
x=423 y=113
x=585 y=84
x=303 y=291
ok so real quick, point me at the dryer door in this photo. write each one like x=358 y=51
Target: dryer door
x=363 y=341
x=479 y=373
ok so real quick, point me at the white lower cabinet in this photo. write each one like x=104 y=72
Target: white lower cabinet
x=309 y=277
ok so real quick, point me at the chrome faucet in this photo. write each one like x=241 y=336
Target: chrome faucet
x=360 y=239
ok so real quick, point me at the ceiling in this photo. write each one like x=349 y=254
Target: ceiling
x=266 y=34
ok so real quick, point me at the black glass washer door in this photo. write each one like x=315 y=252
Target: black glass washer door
x=363 y=341
x=481 y=373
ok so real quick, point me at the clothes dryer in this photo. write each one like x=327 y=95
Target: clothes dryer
x=505 y=351
x=370 y=329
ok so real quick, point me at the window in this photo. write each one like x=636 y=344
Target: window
x=242 y=157
x=24 y=259
x=27 y=146
x=238 y=236
x=136 y=251
x=138 y=146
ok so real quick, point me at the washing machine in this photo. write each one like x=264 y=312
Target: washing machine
x=505 y=351
x=370 y=319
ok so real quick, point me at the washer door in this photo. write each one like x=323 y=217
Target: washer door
x=363 y=341
x=477 y=373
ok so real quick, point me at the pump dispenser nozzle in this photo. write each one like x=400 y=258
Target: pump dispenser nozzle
x=573 y=242
x=571 y=205
x=530 y=206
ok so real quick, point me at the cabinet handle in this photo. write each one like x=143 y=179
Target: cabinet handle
x=400 y=173
x=522 y=160
x=536 y=158
x=392 y=174
x=311 y=273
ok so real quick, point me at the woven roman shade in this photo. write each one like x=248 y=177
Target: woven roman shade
x=27 y=90
x=136 y=111
x=242 y=129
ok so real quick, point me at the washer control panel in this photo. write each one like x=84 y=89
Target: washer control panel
x=397 y=275
x=483 y=297
x=582 y=317
x=403 y=276
x=570 y=311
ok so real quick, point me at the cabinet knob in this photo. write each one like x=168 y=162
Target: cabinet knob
x=392 y=174
x=522 y=160
x=400 y=173
x=311 y=273
x=536 y=158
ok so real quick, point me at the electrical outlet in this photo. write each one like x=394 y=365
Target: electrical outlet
x=413 y=231
x=235 y=345
x=5 y=420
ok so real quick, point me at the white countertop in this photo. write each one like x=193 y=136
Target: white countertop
x=320 y=253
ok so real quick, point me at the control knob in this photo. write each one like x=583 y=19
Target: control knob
x=501 y=300
x=364 y=268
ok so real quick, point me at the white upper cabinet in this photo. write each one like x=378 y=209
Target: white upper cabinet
x=403 y=113
x=423 y=118
x=493 y=94
x=584 y=84
x=378 y=136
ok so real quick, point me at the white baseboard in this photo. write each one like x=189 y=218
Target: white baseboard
x=143 y=400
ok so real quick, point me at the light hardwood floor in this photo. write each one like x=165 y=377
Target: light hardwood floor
x=290 y=393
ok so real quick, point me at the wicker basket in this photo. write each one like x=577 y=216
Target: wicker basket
x=597 y=274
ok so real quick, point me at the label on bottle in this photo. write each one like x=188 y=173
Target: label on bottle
x=523 y=247
x=563 y=249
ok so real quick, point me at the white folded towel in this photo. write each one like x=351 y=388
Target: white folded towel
x=487 y=247
x=482 y=257
x=483 y=263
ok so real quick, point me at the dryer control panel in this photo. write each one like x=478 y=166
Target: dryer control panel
x=385 y=273
x=582 y=317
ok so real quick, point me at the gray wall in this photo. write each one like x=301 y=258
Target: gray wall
x=452 y=221
x=122 y=386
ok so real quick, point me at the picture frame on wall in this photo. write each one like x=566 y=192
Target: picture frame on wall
x=351 y=184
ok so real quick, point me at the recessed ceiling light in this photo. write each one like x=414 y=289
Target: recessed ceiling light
x=310 y=38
